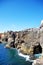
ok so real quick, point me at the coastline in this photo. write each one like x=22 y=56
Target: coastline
x=29 y=42
x=27 y=57
x=34 y=62
x=37 y=61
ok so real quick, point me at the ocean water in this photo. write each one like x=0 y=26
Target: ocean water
x=11 y=57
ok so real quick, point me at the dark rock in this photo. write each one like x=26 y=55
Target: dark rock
x=12 y=44
x=0 y=41
x=37 y=49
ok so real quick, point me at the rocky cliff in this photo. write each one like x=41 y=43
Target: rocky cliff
x=29 y=38
x=25 y=40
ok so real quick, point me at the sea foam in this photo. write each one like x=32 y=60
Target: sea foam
x=27 y=57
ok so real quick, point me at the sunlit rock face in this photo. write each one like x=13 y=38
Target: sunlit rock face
x=41 y=24
x=41 y=34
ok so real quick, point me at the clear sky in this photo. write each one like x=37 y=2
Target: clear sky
x=20 y=14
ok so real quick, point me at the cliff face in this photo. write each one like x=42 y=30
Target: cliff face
x=28 y=39
x=29 y=36
x=25 y=40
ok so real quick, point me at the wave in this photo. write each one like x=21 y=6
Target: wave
x=34 y=62
x=27 y=57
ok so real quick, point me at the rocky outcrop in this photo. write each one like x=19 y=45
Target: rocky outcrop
x=38 y=61
x=25 y=40
x=30 y=50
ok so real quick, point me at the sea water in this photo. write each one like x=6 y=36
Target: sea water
x=12 y=57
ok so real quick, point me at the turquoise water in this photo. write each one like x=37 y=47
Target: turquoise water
x=11 y=57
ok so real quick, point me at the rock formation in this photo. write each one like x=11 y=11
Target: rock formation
x=38 y=61
x=28 y=41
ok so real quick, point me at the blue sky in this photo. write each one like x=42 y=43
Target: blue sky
x=20 y=14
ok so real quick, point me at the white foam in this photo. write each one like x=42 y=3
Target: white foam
x=27 y=57
x=34 y=62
